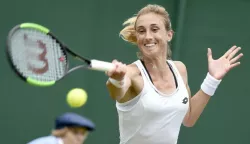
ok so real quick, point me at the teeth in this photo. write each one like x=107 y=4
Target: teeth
x=149 y=45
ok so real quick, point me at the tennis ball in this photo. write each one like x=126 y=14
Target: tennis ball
x=76 y=97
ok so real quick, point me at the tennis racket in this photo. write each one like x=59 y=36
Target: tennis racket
x=41 y=59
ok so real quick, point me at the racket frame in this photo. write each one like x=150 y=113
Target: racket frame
x=63 y=48
x=90 y=64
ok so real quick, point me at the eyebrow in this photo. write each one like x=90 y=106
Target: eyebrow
x=153 y=25
x=143 y=26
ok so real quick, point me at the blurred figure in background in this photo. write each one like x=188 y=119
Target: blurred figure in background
x=70 y=128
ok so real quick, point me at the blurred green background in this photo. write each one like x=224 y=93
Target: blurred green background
x=91 y=27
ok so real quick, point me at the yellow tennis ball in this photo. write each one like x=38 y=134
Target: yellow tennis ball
x=76 y=97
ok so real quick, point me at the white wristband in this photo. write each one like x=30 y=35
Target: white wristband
x=210 y=85
x=116 y=83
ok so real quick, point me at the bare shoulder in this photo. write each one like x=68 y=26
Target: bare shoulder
x=182 y=69
x=132 y=70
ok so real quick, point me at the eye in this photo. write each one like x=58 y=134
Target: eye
x=155 y=29
x=140 y=31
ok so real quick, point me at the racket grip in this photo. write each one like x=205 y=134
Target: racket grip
x=101 y=65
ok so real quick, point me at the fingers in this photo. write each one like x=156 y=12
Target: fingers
x=209 y=54
x=234 y=65
x=110 y=72
x=229 y=51
x=232 y=54
x=118 y=72
x=120 y=67
x=235 y=59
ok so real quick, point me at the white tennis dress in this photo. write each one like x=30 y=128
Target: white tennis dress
x=153 y=117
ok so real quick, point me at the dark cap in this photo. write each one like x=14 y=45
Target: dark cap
x=73 y=120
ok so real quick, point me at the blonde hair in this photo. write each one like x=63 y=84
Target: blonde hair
x=128 y=33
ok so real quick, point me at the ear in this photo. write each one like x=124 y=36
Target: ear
x=170 y=35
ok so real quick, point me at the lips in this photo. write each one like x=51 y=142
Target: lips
x=149 y=45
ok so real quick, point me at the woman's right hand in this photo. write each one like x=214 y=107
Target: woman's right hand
x=118 y=72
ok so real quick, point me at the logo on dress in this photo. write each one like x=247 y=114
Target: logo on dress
x=185 y=100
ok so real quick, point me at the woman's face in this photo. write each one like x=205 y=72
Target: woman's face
x=152 y=36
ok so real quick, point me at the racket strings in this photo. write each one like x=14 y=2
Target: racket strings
x=37 y=56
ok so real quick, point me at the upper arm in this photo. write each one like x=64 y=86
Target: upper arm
x=183 y=71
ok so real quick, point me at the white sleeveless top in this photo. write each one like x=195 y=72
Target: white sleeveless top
x=153 y=117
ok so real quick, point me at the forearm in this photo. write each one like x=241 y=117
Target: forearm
x=115 y=93
x=199 y=101
x=197 y=104
x=118 y=91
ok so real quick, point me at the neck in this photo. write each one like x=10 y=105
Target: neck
x=157 y=67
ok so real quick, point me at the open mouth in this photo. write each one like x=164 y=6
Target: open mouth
x=150 y=45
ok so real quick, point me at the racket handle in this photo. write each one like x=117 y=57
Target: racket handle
x=101 y=65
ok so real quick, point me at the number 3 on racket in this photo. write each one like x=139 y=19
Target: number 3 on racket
x=40 y=59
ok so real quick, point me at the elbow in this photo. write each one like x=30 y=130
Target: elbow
x=189 y=124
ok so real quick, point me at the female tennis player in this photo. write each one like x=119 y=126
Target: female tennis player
x=152 y=94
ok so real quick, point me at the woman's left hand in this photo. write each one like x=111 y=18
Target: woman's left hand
x=220 y=67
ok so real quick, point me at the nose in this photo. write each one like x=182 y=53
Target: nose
x=149 y=35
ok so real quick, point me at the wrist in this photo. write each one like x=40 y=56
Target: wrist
x=210 y=84
x=117 y=83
